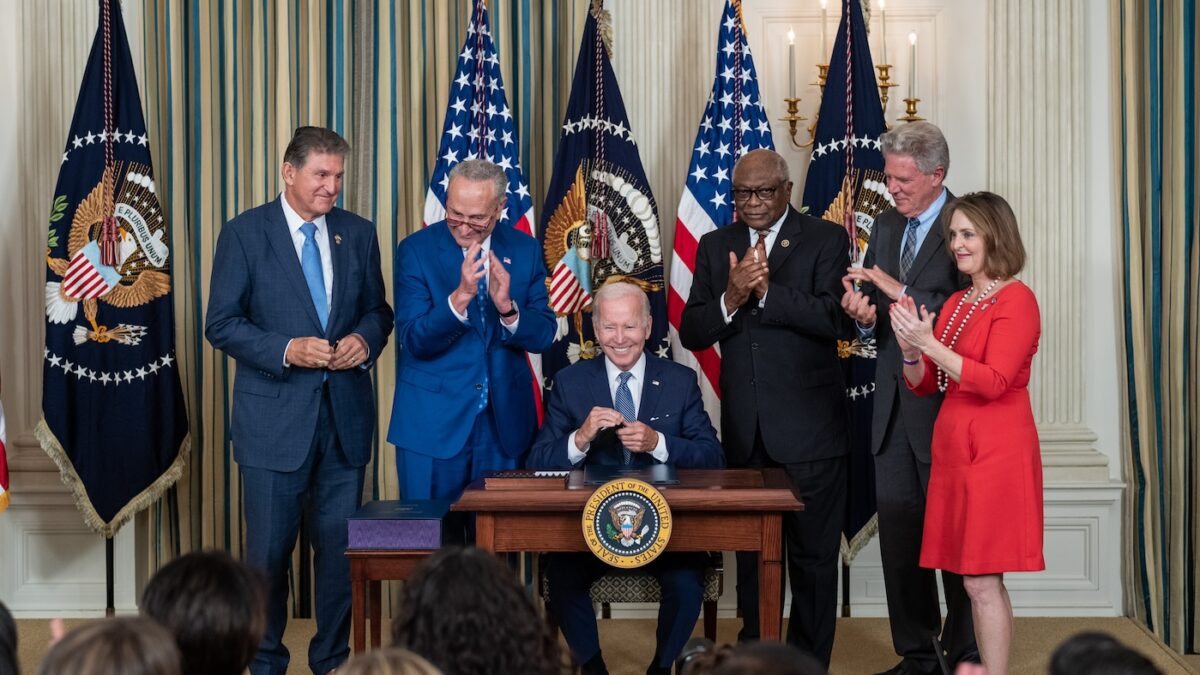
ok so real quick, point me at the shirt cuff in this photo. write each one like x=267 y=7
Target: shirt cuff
x=512 y=328
x=865 y=332
x=460 y=317
x=762 y=302
x=285 y=350
x=574 y=454
x=660 y=451
x=728 y=316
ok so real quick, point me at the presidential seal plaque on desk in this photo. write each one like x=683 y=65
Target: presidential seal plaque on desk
x=626 y=523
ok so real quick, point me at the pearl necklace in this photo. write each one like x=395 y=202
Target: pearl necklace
x=943 y=379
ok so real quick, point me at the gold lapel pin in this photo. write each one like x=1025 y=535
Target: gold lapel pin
x=785 y=243
x=337 y=239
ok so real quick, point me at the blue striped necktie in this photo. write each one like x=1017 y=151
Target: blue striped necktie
x=910 y=248
x=624 y=403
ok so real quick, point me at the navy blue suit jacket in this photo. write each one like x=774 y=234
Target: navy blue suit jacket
x=259 y=301
x=442 y=362
x=670 y=404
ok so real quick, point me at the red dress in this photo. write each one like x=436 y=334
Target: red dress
x=983 y=513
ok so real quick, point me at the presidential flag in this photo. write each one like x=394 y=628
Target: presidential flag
x=733 y=124
x=600 y=222
x=846 y=185
x=113 y=412
x=479 y=124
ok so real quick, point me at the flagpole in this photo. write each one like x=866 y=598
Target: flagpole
x=109 y=608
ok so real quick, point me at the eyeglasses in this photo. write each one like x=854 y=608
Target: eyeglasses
x=477 y=223
x=764 y=194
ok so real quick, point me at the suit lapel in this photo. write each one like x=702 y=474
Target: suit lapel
x=601 y=393
x=280 y=239
x=934 y=243
x=788 y=240
x=336 y=232
x=651 y=389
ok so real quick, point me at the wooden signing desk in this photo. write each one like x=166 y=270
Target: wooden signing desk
x=712 y=510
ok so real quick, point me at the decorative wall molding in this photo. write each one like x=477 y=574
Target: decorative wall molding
x=1037 y=69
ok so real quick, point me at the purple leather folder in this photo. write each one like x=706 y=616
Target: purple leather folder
x=398 y=525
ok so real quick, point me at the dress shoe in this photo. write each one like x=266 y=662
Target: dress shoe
x=909 y=668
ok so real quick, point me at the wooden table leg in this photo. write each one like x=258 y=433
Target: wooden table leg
x=485 y=531
x=770 y=578
x=358 y=605
x=375 y=594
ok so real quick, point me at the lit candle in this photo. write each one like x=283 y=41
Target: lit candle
x=791 y=63
x=824 y=44
x=912 y=65
x=883 y=31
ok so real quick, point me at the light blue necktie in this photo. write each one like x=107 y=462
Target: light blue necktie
x=624 y=403
x=909 y=251
x=310 y=262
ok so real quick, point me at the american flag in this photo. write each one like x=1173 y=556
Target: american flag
x=3 y=464
x=479 y=124
x=734 y=123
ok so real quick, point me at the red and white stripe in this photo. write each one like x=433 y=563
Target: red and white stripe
x=567 y=295
x=83 y=280
x=692 y=223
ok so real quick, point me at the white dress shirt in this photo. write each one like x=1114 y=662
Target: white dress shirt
x=638 y=371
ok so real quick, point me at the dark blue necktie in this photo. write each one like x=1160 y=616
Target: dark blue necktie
x=624 y=403
x=909 y=251
x=314 y=275
x=481 y=299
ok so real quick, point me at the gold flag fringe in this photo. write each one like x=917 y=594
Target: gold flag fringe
x=66 y=471
x=855 y=545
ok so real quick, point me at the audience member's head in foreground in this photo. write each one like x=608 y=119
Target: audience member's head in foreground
x=464 y=611
x=754 y=658
x=128 y=645
x=390 y=661
x=1097 y=653
x=216 y=608
x=8 y=643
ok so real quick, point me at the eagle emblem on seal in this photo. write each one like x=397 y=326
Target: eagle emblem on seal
x=604 y=230
x=133 y=272
x=626 y=526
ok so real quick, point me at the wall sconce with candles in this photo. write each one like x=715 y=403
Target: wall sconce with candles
x=884 y=78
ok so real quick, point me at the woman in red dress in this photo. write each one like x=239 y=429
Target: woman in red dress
x=984 y=512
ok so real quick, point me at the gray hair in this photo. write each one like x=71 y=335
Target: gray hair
x=781 y=165
x=308 y=140
x=616 y=291
x=922 y=141
x=476 y=170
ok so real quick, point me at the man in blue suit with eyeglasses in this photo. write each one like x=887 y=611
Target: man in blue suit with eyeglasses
x=470 y=302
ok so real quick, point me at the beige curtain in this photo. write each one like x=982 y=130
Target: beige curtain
x=1155 y=80
x=228 y=81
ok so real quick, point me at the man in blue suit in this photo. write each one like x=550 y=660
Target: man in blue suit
x=470 y=302
x=297 y=300
x=654 y=404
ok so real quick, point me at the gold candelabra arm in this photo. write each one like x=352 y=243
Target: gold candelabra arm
x=910 y=111
x=793 y=119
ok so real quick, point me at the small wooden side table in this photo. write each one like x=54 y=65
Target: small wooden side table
x=368 y=568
